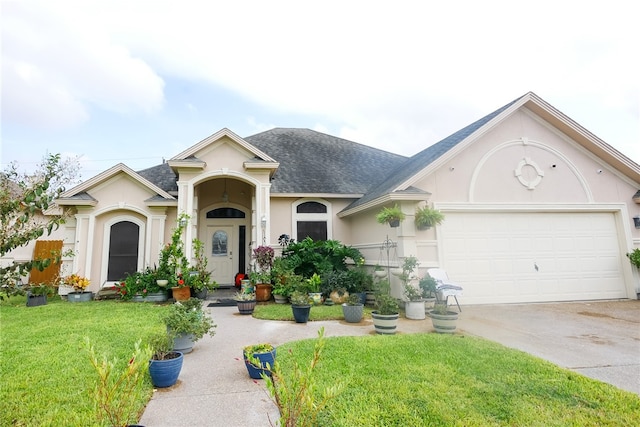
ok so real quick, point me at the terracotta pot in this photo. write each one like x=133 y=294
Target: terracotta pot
x=263 y=292
x=181 y=294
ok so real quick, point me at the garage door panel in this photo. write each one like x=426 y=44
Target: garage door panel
x=494 y=255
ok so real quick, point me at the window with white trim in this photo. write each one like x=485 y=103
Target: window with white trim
x=312 y=219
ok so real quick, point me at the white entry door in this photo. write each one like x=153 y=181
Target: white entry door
x=220 y=250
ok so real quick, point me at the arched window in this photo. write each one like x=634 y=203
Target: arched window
x=312 y=218
x=123 y=250
x=225 y=213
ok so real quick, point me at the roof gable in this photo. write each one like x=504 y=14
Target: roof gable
x=397 y=183
x=194 y=150
x=79 y=193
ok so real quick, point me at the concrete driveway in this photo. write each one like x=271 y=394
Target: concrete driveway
x=600 y=339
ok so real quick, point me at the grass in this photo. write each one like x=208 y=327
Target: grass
x=318 y=312
x=432 y=379
x=422 y=379
x=47 y=378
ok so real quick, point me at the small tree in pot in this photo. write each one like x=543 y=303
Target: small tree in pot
x=188 y=323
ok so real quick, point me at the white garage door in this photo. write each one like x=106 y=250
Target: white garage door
x=533 y=257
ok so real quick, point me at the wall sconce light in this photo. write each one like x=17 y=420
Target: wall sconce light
x=263 y=222
x=636 y=221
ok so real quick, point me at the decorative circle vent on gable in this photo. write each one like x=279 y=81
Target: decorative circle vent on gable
x=532 y=175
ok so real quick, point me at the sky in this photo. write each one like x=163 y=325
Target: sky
x=140 y=81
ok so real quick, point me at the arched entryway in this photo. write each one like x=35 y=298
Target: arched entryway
x=224 y=233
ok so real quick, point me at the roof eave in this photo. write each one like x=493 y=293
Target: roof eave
x=382 y=200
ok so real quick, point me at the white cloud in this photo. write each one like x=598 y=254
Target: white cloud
x=395 y=75
x=58 y=63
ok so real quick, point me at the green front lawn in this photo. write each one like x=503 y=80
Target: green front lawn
x=443 y=380
x=45 y=372
x=425 y=379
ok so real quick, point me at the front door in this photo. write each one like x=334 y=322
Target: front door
x=221 y=246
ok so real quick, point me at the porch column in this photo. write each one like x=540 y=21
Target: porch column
x=185 y=206
x=264 y=214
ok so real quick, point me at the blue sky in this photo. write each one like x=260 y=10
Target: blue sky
x=134 y=82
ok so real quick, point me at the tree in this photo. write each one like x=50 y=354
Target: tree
x=24 y=200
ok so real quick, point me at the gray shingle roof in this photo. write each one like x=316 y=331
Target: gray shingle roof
x=422 y=159
x=314 y=162
x=162 y=176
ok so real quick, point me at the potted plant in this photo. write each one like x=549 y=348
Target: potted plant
x=259 y=359
x=79 y=284
x=443 y=319
x=390 y=215
x=428 y=287
x=264 y=256
x=141 y=286
x=414 y=304
x=634 y=257
x=379 y=271
x=261 y=282
x=427 y=217
x=187 y=322
x=246 y=302
x=352 y=309
x=300 y=306
x=358 y=281
x=201 y=282
x=385 y=317
x=181 y=291
x=37 y=295
x=313 y=288
x=165 y=364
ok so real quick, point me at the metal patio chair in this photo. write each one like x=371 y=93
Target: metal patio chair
x=445 y=288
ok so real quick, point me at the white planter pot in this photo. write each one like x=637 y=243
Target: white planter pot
x=414 y=310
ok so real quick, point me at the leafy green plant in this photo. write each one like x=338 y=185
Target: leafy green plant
x=390 y=214
x=118 y=387
x=244 y=296
x=353 y=299
x=308 y=256
x=358 y=279
x=634 y=257
x=250 y=350
x=386 y=304
x=313 y=283
x=428 y=286
x=23 y=199
x=440 y=308
x=200 y=276
x=294 y=391
x=161 y=345
x=187 y=317
x=427 y=217
x=412 y=293
x=300 y=298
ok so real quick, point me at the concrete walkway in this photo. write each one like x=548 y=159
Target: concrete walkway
x=599 y=339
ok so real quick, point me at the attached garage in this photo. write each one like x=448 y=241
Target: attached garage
x=511 y=257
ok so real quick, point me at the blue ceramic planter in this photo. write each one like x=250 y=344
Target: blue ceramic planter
x=265 y=358
x=164 y=373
